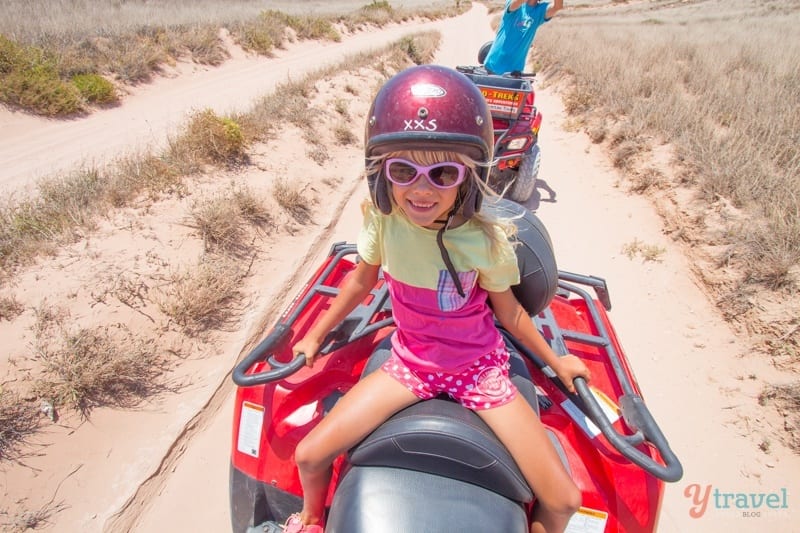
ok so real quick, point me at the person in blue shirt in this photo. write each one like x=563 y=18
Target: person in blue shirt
x=518 y=26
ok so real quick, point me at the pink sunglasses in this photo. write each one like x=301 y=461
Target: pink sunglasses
x=441 y=175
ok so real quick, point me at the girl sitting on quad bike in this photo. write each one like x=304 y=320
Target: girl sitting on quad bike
x=449 y=269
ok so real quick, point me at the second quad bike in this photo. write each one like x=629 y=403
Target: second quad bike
x=516 y=122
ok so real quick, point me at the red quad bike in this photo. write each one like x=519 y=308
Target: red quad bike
x=516 y=122
x=434 y=466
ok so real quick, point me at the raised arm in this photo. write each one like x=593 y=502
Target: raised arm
x=554 y=8
x=514 y=5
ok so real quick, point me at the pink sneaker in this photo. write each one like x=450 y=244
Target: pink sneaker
x=294 y=525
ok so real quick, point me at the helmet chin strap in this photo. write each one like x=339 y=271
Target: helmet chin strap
x=446 y=256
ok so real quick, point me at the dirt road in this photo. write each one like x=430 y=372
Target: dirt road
x=686 y=358
x=32 y=147
x=693 y=370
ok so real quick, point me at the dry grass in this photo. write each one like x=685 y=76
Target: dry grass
x=85 y=368
x=703 y=77
x=55 y=56
x=222 y=221
x=19 y=418
x=209 y=138
x=27 y=520
x=205 y=296
x=344 y=135
x=293 y=200
x=787 y=399
x=152 y=174
x=10 y=308
x=648 y=252
x=34 y=226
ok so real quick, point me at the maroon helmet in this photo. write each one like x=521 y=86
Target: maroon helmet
x=429 y=107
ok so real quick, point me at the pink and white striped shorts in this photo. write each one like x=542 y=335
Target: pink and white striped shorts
x=484 y=385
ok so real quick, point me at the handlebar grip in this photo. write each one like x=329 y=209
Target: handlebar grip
x=260 y=353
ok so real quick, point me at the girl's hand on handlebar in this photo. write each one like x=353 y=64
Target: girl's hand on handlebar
x=569 y=368
x=308 y=347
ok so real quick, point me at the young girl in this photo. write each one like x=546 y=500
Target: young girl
x=429 y=142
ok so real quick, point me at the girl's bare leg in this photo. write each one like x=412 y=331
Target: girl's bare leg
x=369 y=403
x=521 y=431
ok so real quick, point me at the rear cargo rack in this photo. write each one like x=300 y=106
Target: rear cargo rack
x=504 y=95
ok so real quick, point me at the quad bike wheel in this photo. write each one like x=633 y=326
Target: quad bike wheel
x=483 y=52
x=525 y=182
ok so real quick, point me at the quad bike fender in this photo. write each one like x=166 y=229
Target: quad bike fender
x=536 y=125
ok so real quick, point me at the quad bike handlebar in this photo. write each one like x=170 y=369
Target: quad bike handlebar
x=634 y=411
x=360 y=323
x=261 y=352
x=638 y=417
x=635 y=414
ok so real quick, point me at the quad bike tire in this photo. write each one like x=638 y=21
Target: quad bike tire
x=484 y=51
x=525 y=182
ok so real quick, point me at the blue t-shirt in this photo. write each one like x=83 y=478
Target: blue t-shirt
x=514 y=37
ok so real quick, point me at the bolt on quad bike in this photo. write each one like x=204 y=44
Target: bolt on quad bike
x=435 y=466
x=516 y=123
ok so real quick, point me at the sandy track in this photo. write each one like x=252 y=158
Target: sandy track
x=685 y=357
x=32 y=147
x=689 y=363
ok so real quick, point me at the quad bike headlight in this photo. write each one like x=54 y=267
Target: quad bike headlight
x=517 y=144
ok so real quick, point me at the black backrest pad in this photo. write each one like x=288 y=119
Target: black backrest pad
x=441 y=437
x=535 y=257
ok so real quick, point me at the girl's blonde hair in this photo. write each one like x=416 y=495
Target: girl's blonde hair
x=488 y=223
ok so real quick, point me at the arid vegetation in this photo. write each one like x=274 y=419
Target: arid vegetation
x=73 y=364
x=58 y=60
x=699 y=86
x=711 y=89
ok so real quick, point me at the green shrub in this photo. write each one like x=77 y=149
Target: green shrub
x=29 y=79
x=310 y=27
x=263 y=34
x=41 y=93
x=9 y=55
x=215 y=139
x=95 y=89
